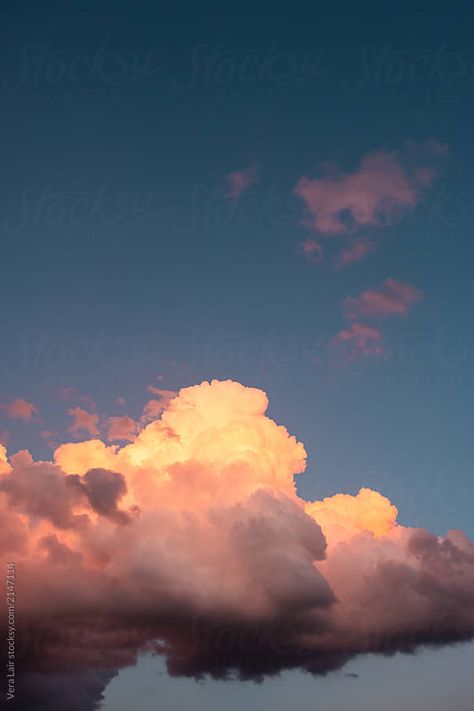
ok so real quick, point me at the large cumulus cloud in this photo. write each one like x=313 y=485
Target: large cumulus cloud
x=192 y=542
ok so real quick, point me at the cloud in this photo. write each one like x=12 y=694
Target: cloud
x=40 y=490
x=354 y=252
x=239 y=181
x=121 y=429
x=375 y=195
x=312 y=250
x=359 y=339
x=356 y=341
x=191 y=541
x=19 y=409
x=153 y=408
x=386 y=186
x=84 y=421
x=4 y=466
x=392 y=298
x=104 y=488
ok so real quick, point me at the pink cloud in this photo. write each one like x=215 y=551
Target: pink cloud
x=19 y=409
x=84 y=422
x=239 y=181
x=153 y=408
x=122 y=429
x=392 y=298
x=358 y=340
x=355 y=252
x=161 y=392
x=374 y=195
x=312 y=250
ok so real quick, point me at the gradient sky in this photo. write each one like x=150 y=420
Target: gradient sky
x=130 y=256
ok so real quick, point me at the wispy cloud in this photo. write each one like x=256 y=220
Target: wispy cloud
x=153 y=408
x=239 y=181
x=354 y=252
x=358 y=340
x=312 y=250
x=392 y=298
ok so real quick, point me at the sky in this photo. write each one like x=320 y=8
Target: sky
x=280 y=196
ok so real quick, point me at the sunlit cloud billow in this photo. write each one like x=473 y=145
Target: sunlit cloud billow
x=192 y=542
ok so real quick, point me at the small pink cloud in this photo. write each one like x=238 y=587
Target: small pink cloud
x=374 y=195
x=120 y=401
x=122 y=429
x=83 y=421
x=312 y=250
x=355 y=252
x=19 y=409
x=239 y=181
x=166 y=395
x=392 y=298
x=357 y=341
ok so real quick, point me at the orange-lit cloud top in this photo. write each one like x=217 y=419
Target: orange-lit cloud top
x=192 y=541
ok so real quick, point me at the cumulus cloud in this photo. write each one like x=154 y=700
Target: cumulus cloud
x=19 y=409
x=191 y=541
x=239 y=181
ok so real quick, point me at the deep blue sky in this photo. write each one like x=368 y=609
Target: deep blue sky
x=122 y=258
